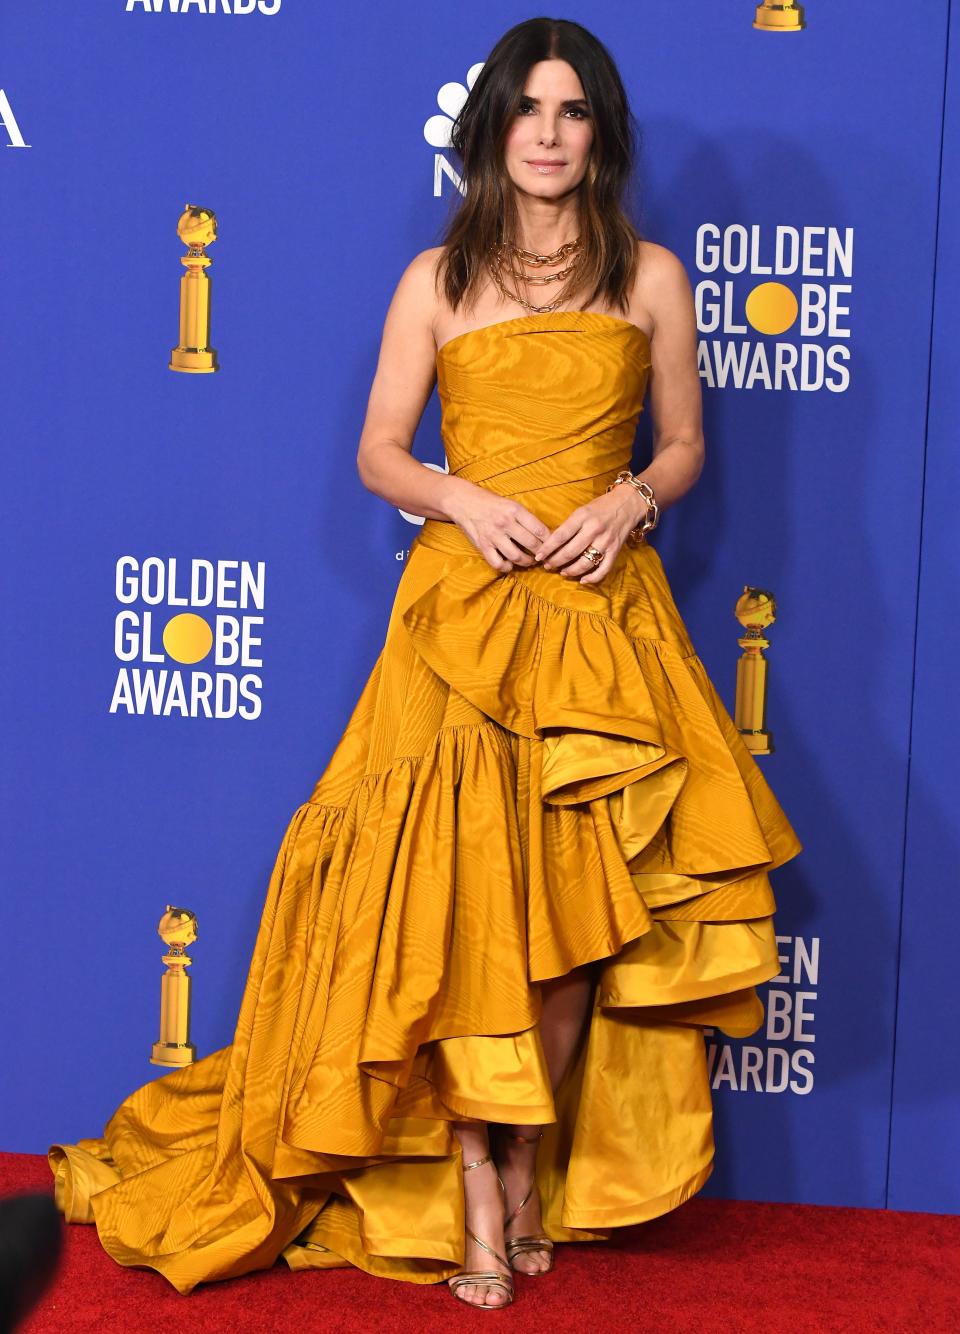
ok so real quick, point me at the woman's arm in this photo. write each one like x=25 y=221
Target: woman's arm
x=503 y=530
x=402 y=385
x=663 y=290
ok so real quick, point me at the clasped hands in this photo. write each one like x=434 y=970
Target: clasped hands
x=506 y=533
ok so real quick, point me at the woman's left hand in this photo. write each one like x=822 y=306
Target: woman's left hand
x=604 y=523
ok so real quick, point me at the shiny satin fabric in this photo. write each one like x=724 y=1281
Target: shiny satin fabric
x=537 y=774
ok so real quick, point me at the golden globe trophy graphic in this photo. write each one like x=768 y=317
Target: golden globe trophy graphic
x=177 y=929
x=779 y=16
x=197 y=227
x=755 y=610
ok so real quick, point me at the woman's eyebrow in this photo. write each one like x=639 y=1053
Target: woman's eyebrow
x=569 y=102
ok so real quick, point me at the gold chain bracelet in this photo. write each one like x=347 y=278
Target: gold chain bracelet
x=638 y=534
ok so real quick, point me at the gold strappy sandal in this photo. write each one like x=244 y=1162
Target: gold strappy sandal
x=529 y=1242
x=491 y=1277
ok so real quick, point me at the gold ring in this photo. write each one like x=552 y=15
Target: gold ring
x=592 y=554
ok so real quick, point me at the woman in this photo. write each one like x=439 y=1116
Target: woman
x=536 y=865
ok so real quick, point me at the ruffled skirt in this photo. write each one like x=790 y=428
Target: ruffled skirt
x=537 y=775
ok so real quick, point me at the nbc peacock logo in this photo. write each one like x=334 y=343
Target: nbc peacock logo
x=187 y=637
x=436 y=130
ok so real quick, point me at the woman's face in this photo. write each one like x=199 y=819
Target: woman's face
x=548 y=145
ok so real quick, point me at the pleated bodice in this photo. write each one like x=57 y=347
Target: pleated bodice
x=543 y=408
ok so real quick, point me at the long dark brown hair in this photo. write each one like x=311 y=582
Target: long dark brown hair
x=488 y=213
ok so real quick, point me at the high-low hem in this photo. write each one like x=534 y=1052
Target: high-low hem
x=538 y=776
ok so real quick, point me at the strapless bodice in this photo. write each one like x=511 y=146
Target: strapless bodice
x=544 y=407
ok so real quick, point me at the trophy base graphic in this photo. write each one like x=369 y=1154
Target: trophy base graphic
x=780 y=16
x=196 y=360
x=173 y=1053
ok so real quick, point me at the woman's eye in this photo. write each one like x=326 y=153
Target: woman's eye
x=579 y=112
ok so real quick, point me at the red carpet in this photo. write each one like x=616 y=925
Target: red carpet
x=709 y=1266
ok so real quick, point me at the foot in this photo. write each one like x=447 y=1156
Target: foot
x=516 y=1164
x=483 y=1205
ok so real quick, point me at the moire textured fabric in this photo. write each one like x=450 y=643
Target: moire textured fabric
x=537 y=774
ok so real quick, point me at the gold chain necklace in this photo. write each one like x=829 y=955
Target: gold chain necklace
x=502 y=252
x=531 y=257
x=538 y=280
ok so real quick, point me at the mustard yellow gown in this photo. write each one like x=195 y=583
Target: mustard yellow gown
x=537 y=774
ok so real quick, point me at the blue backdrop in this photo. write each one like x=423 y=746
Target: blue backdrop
x=812 y=167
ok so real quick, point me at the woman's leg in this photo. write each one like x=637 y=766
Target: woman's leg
x=565 y=1001
x=564 y=1011
x=483 y=1202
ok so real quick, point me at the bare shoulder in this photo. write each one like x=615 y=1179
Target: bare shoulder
x=422 y=269
x=661 y=278
x=415 y=301
x=662 y=298
x=408 y=348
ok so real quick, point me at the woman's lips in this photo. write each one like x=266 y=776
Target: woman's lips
x=546 y=168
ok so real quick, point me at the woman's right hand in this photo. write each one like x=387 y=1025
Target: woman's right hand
x=505 y=532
